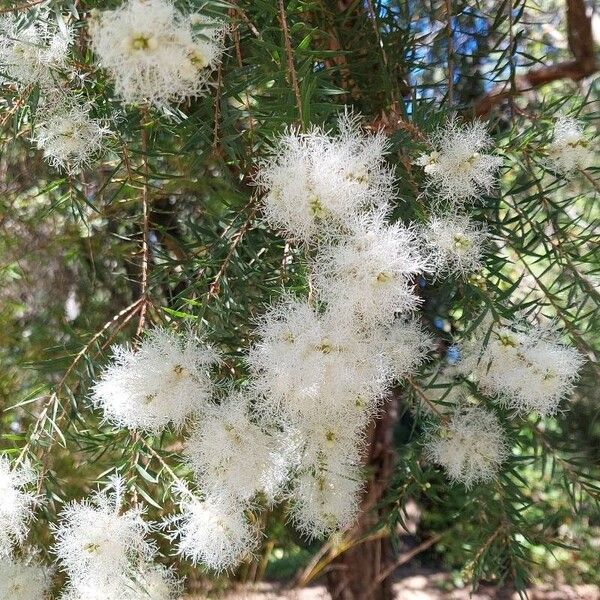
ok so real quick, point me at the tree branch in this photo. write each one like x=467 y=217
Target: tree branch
x=584 y=64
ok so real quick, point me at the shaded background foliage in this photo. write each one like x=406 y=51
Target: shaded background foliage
x=70 y=260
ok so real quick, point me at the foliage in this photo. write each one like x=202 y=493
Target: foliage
x=165 y=227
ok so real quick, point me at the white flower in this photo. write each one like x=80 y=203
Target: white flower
x=156 y=582
x=369 y=272
x=526 y=367
x=23 y=580
x=316 y=181
x=16 y=504
x=150 y=582
x=326 y=499
x=458 y=169
x=165 y=381
x=455 y=243
x=155 y=53
x=570 y=150
x=31 y=51
x=97 y=543
x=470 y=447
x=407 y=345
x=306 y=362
x=70 y=137
x=214 y=532
x=232 y=455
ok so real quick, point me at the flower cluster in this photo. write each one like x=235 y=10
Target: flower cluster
x=23 y=580
x=232 y=455
x=33 y=52
x=167 y=380
x=105 y=552
x=470 y=446
x=526 y=367
x=69 y=136
x=455 y=244
x=369 y=272
x=214 y=531
x=316 y=181
x=155 y=53
x=569 y=150
x=320 y=372
x=16 y=504
x=458 y=169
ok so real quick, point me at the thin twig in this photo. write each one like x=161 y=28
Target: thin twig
x=290 y=60
x=20 y=7
x=449 y=35
x=403 y=559
x=145 y=228
x=423 y=397
x=127 y=312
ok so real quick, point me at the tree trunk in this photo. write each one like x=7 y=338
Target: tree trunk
x=353 y=575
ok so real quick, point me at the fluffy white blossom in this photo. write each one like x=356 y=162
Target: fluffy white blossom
x=165 y=381
x=470 y=446
x=215 y=532
x=406 y=346
x=326 y=499
x=154 y=52
x=16 y=503
x=23 y=580
x=31 y=51
x=99 y=544
x=156 y=582
x=455 y=244
x=150 y=582
x=458 y=169
x=569 y=150
x=368 y=273
x=232 y=455
x=70 y=137
x=306 y=362
x=525 y=366
x=317 y=181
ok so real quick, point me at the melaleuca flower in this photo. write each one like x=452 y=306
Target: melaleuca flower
x=526 y=367
x=470 y=447
x=455 y=244
x=407 y=345
x=156 y=582
x=231 y=454
x=458 y=169
x=155 y=53
x=325 y=499
x=165 y=381
x=333 y=436
x=23 y=580
x=306 y=362
x=100 y=545
x=317 y=180
x=70 y=137
x=570 y=150
x=368 y=273
x=215 y=532
x=151 y=582
x=32 y=51
x=16 y=504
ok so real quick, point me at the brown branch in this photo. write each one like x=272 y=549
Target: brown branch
x=584 y=64
x=290 y=59
x=145 y=228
